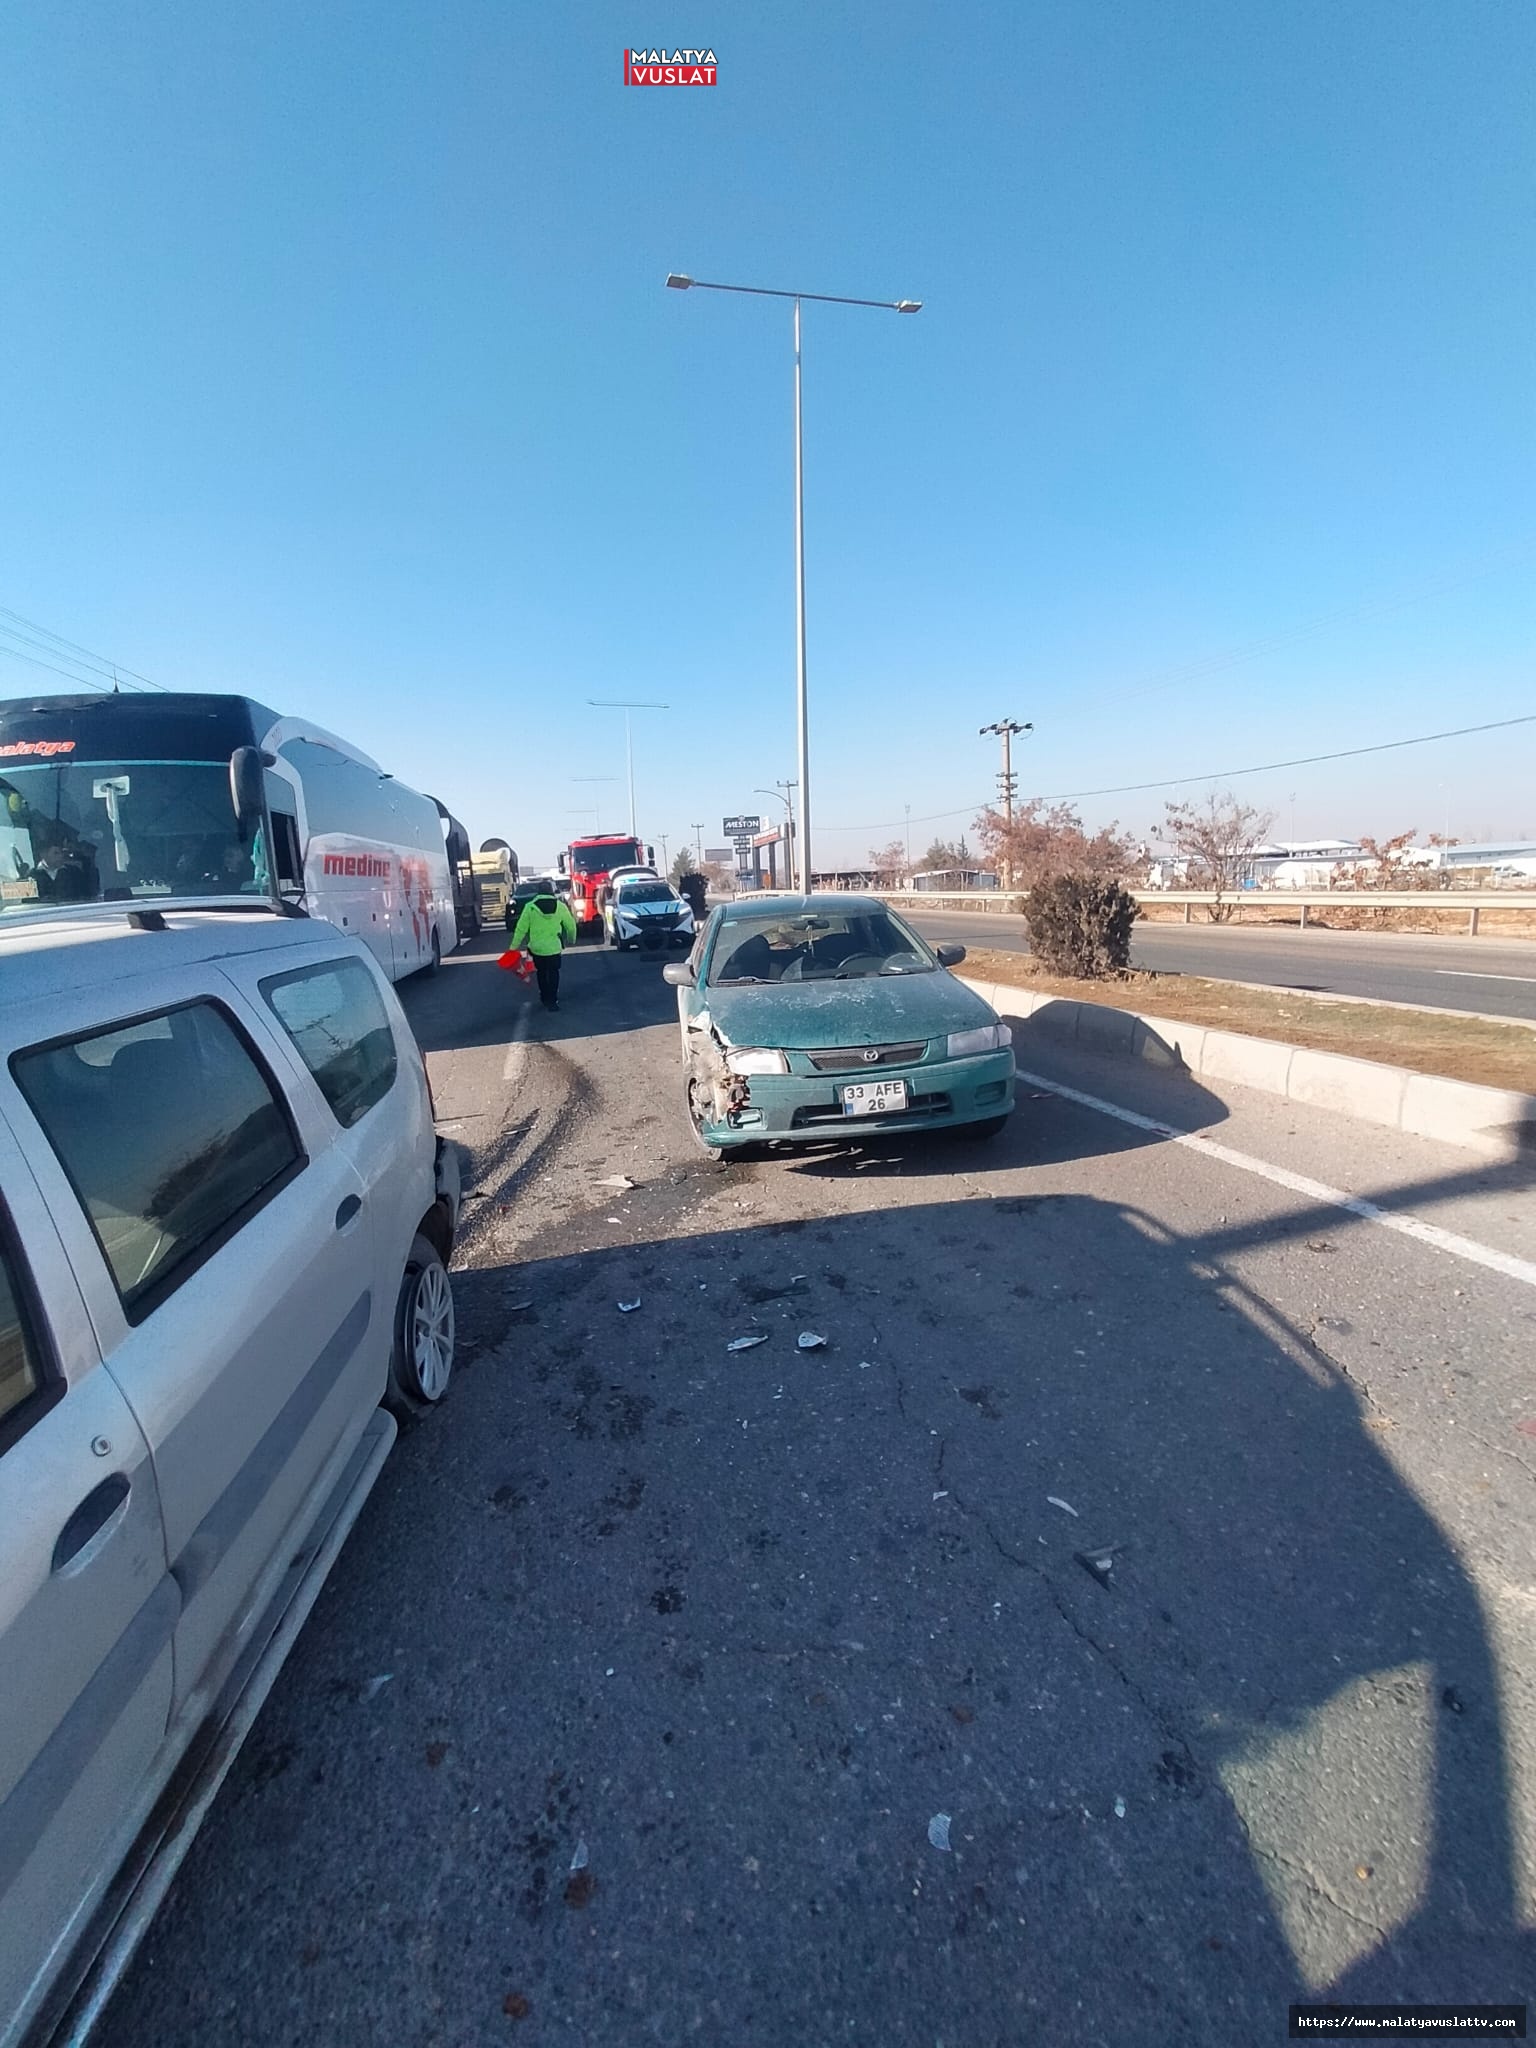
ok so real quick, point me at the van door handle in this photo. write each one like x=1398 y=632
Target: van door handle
x=93 y=1514
x=348 y=1210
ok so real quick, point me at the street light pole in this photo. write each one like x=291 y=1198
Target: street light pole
x=802 y=855
x=610 y=704
x=677 y=281
x=789 y=832
x=598 y=806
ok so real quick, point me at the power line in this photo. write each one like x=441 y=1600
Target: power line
x=1064 y=796
x=71 y=650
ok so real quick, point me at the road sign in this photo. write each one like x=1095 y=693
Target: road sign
x=733 y=828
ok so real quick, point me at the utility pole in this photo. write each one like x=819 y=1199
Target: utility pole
x=663 y=838
x=908 y=841
x=1007 y=783
x=698 y=840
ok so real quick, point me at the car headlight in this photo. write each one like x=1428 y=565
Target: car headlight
x=960 y=1045
x=756 y=1060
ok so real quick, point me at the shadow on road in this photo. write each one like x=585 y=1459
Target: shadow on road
x=742 y=1626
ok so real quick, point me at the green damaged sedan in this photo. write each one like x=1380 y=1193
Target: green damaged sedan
x=806 y=1018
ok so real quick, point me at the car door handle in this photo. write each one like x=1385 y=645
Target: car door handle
x=348 y=1210
x=93 y=1514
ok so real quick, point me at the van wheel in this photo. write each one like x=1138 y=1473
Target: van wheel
x=421 y=1363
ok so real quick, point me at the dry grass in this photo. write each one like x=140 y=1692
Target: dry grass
x=1461 y=1048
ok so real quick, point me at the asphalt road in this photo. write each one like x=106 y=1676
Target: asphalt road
x=1495 y=977
x=635 y=1707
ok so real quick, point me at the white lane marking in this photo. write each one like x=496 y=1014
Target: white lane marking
x=1475 y=1254
x=1473 y=974
x=517 y=1049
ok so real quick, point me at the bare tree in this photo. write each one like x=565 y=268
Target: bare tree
x=888 y=864
x=1216 y=840
x=1048 y=839
x=1386 y=864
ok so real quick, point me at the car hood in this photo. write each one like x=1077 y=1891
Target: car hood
x=807 y=1016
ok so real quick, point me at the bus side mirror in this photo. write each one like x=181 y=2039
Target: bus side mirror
x=247 y=787
x=650 y=856
x=564 y=869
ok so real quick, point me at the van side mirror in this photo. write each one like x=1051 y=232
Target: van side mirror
x=247 y=787
x=950 y=956
x=678 y=974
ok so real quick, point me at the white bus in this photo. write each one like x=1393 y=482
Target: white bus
x=152 y=798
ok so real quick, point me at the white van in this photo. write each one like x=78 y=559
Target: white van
x=225 y=1221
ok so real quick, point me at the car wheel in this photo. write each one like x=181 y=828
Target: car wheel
x=987 y=1127
x=421 y=1364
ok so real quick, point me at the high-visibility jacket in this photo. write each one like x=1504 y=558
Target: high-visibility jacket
x=546 y=926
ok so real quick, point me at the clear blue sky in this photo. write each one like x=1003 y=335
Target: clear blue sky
x=338 y=368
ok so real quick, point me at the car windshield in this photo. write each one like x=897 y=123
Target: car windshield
x=88 y=831
x=645 y=892
x=784 y=946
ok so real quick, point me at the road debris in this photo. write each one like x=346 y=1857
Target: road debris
x=1098 y=1564
x=515 y=1308
x=1119 y=1809
x=579 y=1860
x=1054 y=1500
x=938 y=1831
x=810 y=1340
x=866 y=1365
x=942 y=1494
x=747 y=1343
x=579 y=1889
x=627 y=1308
x=515 y=2006
x=1319 y=1244
x=616 y=1180
x=375 y=1686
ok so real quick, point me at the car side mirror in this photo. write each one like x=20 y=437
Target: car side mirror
x=950 y=956
x=677 y=974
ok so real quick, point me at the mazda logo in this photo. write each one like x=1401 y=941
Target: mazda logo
x=871 y=1054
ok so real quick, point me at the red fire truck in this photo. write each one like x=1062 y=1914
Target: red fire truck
x=590 y=862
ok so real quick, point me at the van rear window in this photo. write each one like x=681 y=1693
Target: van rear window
x=336 y=1018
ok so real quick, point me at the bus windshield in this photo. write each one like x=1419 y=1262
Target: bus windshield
x=104 y=831
x=602 y=860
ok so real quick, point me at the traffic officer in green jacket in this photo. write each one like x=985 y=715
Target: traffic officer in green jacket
x=546 y=927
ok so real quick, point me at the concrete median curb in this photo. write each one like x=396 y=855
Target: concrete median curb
x=1500 y=1121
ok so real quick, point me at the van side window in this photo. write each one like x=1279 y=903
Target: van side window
x=21 y=1372
x=172 y=1134
x=336 y=1018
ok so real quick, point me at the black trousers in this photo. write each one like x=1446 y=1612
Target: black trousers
x=547 y=967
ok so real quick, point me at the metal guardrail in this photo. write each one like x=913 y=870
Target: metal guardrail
x=1471 y=901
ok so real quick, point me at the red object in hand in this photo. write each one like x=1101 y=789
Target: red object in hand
x=518 y=963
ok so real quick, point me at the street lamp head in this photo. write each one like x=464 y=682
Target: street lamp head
x=677 y=282
x=902 y=305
